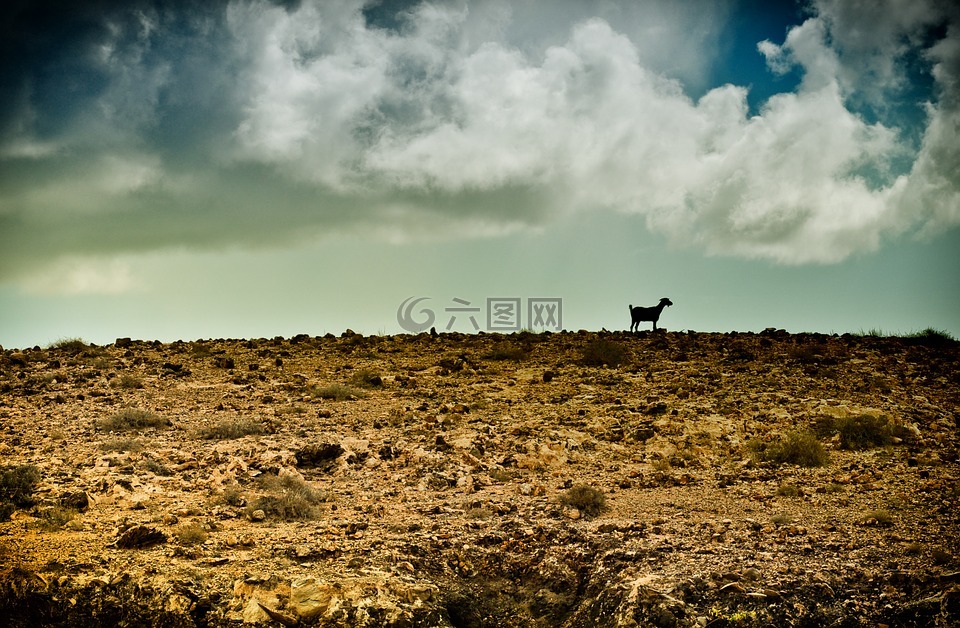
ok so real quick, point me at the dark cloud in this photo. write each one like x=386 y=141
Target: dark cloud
x=134 y=125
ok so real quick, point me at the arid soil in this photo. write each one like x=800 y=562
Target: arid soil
x=568 y=479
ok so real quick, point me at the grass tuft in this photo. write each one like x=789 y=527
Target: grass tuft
x=931 y=337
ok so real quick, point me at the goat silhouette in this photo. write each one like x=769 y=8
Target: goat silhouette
x=639 y=314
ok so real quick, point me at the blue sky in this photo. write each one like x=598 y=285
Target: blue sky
x=253 y=169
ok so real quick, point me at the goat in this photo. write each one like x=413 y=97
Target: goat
x=639 y=314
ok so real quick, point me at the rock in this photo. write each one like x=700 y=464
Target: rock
x=258 y=515
x=311 y=598
x=140 y=537
x=77 y=500
x=322 y=456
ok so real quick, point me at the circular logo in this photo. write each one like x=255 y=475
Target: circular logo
x=405 y=316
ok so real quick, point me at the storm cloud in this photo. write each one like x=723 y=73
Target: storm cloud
x=139 y=126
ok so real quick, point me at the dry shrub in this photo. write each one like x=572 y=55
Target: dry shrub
x=122 y=445
x=503 y=351
x=127 y=381
x=132 y=419
x=336 y=392
x=191 y=534
x=288 y=498
x=604 y=352
x=54 y=518
x=230 y=429
x=588 y=500
x=366 y=378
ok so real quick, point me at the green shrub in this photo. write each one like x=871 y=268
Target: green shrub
x=795 y=447
x=17 y=484
x=132 y=419
x=857 y=432
x=931 y=337
x=230 y=429
x=157 y=468
x=588 y=500
x=864 y=432
x=604 y=352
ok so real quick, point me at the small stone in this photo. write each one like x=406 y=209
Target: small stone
x=258 y=515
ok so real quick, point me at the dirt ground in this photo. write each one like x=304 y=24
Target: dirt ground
x=566 y=479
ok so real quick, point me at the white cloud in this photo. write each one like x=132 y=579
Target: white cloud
x=81 y=276
x=500 y=114
x=872 y=40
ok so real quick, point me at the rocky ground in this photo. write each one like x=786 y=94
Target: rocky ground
x=569 y=479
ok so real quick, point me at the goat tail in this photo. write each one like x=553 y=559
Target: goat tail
x=631 y=307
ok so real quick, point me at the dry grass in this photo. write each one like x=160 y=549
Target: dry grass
x=336 y=392
x=230 y=429
x=132 y=419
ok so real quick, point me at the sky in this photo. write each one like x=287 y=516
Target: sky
x=256 y=168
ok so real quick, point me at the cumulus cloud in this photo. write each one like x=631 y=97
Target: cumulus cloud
x=253 y=122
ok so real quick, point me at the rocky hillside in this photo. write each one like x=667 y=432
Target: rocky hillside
x=571 y=479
